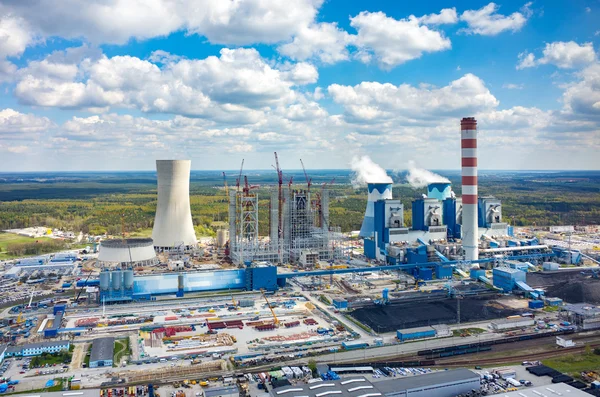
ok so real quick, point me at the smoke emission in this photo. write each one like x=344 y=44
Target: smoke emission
x=366 y=171
x=418 y=177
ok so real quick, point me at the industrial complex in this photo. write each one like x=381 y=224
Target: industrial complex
x=306 y=310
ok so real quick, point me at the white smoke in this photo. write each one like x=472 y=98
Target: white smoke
x=418 y=177
x=366 y=171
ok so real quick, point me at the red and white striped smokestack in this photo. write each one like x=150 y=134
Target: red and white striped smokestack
x=468 y=144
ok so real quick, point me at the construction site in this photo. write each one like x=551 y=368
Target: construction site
x=299 y=230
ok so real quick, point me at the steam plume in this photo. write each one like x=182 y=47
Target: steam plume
x=418 y=177
x=366 y=171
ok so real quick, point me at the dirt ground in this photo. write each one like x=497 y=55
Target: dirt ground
x=78 y=355
x=417 y=314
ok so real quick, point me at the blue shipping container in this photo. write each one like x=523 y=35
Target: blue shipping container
x=415 y=333
x=537 y=304
x=340 y=303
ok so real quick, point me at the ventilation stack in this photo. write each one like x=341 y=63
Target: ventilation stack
x=468 y=130
x=377 y=191
x=173 y=222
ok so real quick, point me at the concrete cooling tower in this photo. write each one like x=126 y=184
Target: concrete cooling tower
x=173 y=222
x=377 y=191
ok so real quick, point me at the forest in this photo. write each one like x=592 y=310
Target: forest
x=95 y=204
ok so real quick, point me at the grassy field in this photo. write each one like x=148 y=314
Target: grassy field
x=10 y=238
x=121 y=349
x=573 y=364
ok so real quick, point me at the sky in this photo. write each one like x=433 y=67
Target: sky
x=117 y=84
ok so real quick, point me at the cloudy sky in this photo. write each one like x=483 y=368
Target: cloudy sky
x=116 y=84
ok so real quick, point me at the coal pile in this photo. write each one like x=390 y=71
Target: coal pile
x=548 y=279
x=418 y=314
x=580 y=291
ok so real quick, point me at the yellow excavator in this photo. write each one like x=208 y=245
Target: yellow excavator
x=275 y=320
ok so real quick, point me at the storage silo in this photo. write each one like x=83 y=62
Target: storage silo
x=104 y=280
x=116 y=280
x=180 y=285
x=128 y=279
x=173 y=221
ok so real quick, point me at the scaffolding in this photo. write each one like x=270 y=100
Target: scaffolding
x=305 y=228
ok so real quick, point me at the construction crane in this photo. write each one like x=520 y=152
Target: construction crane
x=226 y=187
x=280 y=197
x=248 y=187
x=275 y=320
x=239 y=178
x=83 y=286
x=30 y=300
x=308 y=180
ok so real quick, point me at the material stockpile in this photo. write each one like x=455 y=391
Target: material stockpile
x=265 y=327
x=309 y=321
x=87 y=322
x=418 y=314
x=587 y=291
x=204 y=341
x=292 y=324
x=127 y=321
x=225 y=324
x=287 y=338
x=173 y=372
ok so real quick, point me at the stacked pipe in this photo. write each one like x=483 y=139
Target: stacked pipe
x=468 y=130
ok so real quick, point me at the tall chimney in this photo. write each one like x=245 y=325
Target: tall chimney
x=468 y=144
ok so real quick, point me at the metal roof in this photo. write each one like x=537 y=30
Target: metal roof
x=221 y=391
x=102 y=349
x=583 y=309
x=430 y=379
x=416 y=329
x=71 y=393
x=556 y=389
x=351 y=387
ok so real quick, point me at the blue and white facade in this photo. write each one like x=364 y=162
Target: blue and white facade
x=36 y=349
x=377 y=191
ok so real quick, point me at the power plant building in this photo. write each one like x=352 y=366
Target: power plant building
x=173 y=227
x=131 y=252
x=438 y=217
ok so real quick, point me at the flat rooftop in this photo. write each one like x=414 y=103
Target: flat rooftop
x=554 y=390
x=433 y=378
x=102 y=349
x=583 y=309
x=352 y=387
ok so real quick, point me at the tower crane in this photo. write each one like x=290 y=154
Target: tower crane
x=226 y=187
x=275 y=319
x=280 y=197
x=239 y=178
x=308 y=180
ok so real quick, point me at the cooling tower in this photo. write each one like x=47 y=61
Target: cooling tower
x=439 y=190
x=377 y=191
x=173 y=222
x=468 y=130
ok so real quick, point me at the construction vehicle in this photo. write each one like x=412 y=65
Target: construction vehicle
x=275 y=319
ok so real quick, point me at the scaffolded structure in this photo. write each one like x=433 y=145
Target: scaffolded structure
x=305 y=227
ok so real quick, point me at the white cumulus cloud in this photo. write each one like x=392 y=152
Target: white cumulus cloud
x=487 y=22
x=565 y=55
x=393 y=42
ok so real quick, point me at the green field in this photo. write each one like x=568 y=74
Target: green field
x=573 y=364
x=121 y=349
x=10 y=238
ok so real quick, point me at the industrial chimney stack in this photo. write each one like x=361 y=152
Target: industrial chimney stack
x=173 y=222
x=468 y=130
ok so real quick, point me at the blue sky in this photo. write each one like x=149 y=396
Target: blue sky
x=117 y=84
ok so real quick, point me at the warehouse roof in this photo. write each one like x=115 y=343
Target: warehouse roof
x=583 y=309
x=415 y=330
x=102 y=349
x=221 y=391
x=353 y=387
x=553 y=390
x=76 y=393
x=507 y=270
x=430 y=379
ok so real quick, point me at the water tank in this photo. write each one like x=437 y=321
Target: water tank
x=180 y=281
x=116 y=279
x=128 y=279
x=222 y=237
x=104 y=280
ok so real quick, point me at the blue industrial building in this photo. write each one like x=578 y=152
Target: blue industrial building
x=415 y=333
x=507 y=278
x=36 y=349
x=52 y=330
x=341 y=304
x=102 y=352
